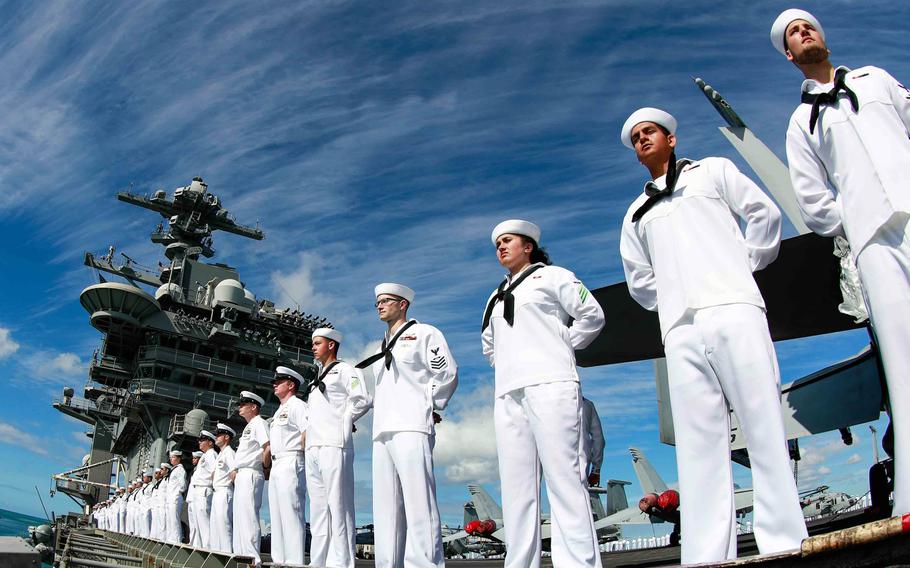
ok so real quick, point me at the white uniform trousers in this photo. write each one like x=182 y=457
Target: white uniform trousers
x=330 y=482
x=174 y=527
x=287 y=504
x=539 y=427
x=145 y=522
x=247 y=502
x=403 y=480
x=193 y=537
x=160 y=525
x=884 y=270
x=724 y=357
x=221 y=520
x=199 y=516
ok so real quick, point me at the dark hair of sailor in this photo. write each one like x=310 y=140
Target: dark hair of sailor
x=538 y=254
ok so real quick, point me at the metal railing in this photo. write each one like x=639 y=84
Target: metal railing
x=85 y=405
x=200 y=362
x=183 y=393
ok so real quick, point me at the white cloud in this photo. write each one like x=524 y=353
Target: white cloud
x=824 y=470
x=853 y=459
x=51 y=367
x=466 y=443
x=9 y=434
x=7 y=345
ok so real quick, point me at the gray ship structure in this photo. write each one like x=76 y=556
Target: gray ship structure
x=178 y=345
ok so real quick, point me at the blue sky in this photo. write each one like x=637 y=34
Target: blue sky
x=373 y=142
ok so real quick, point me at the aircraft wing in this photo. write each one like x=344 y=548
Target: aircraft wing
x=742 y=499
x=454 y=536
x=628 y=516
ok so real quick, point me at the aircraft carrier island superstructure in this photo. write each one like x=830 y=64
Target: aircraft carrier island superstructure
x=175 y=357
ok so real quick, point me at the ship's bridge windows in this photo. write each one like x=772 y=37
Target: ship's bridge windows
x=245 y=359
x=226 y=354
x=265 y=363
x=188 y=346
x=221 y=387
x=201 y=380
x=206 y=350
x=169 y=341
x=181 y=377
x=162 y=372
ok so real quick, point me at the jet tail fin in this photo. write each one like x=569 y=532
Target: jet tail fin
x=484 y=505
x=616 y=496
x=647 y=476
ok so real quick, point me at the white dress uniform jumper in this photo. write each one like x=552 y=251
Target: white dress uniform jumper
x=222 y=514
x=202 y=497
x=176 y=485
x=287 y=482
x=849 y=154
x=337 y=399
x=415 y=375
x=248 y=488
x=687 y=258
x=538 y=411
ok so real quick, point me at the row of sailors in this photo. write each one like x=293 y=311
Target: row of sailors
x=150 y=506
x=224 y=494
x=689 y=245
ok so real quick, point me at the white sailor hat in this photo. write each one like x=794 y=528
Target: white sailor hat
x=206 y=434
x=224 y=428
x=329 y=333
x=165 y=466
x=176 y=454
x=197 y=454
x=646 y=114
x=148 y=473
x=399 y=290
x=779 y=27
x=247 y=396
x=282 y=372
x=516 y=227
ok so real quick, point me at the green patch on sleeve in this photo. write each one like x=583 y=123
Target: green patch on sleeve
x=583 y=293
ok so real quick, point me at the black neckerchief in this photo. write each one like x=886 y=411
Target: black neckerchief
x=504 y=294
x=319 y=383
x=655 y=194
x=830 y=97
x=386 y=350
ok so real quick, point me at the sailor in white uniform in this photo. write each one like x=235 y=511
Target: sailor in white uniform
x=287 y=482
x=159 y=504
x=221 y=519
x=132 y=506
x=537 y=412
x=145 y=510
x=593 y=433
x=193 y=538
x=203 y=488
x=176 y=486
x=416 y=376
x=337 y=399
x=849 y=153
x=251 y=458
x=686 y=257
x=120 y=510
